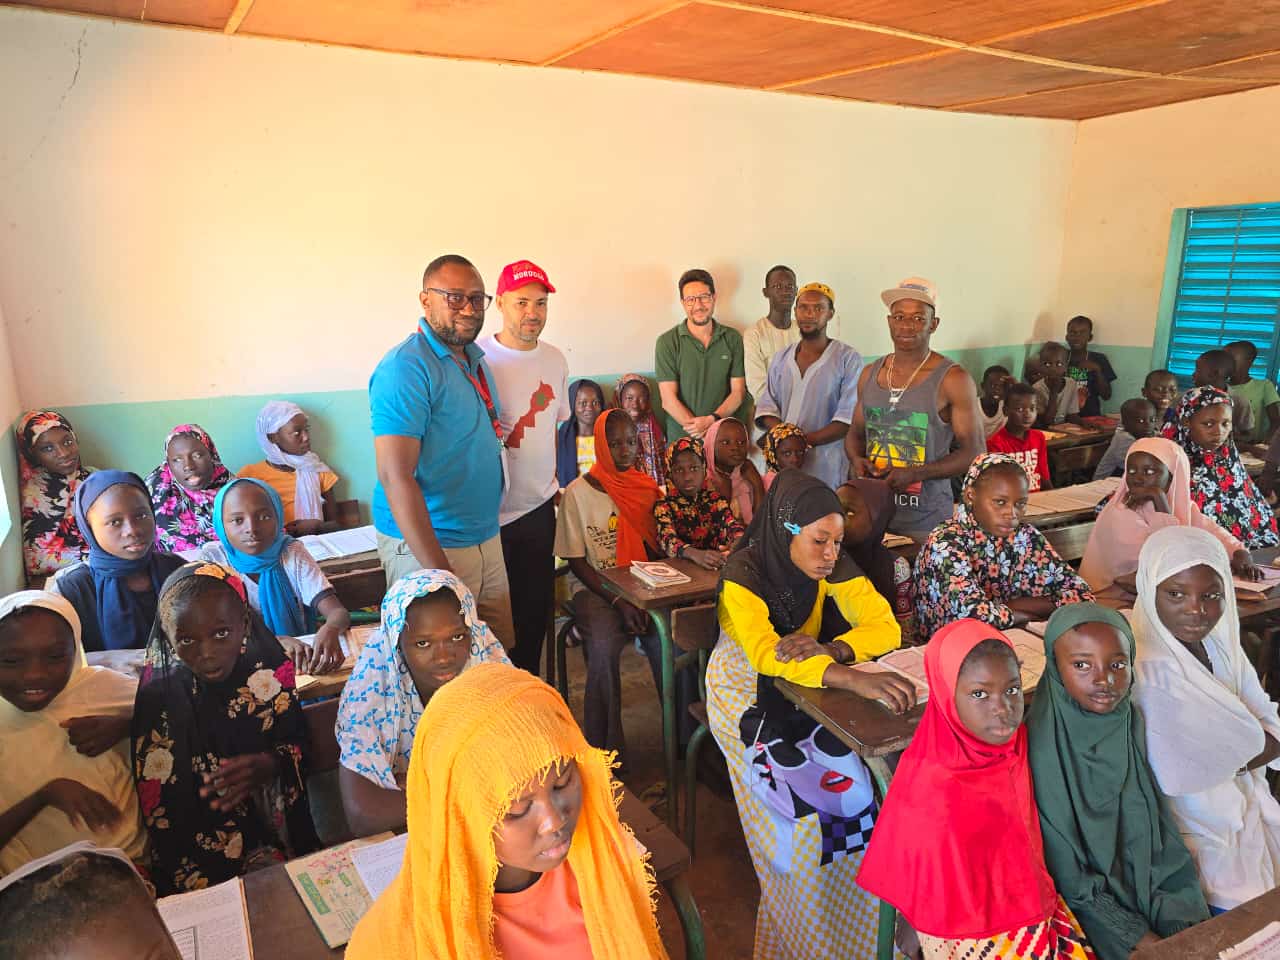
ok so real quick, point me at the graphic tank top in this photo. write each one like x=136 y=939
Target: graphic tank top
x=910 y=435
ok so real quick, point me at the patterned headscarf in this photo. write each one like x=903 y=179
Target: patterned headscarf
x=380 y=705
x=776 y=434
x=649 y=432
x=1220 y=485
x=51 y=539
x=184 y=517
x=683 y=445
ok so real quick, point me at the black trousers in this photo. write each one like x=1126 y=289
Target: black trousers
x=528 y=545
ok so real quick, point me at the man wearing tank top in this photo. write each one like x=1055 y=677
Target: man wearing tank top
x=917 y=423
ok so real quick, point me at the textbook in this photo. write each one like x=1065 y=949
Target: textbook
x=657 y=574
x=1260 y=589
x=330 y=887
x=908 y=662
x=1263 y=945
x=209 y=924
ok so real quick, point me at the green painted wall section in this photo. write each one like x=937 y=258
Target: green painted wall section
x=129 y=435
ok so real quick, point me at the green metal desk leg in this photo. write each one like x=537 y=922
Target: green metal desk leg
x=888 y=920
x=670 y=732
x=695 y=947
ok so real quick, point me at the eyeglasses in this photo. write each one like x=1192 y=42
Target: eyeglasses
x=699 y=298
x=479 y=301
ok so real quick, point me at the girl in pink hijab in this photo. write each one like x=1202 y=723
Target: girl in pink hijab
x=1154 y=493
x=729 y=472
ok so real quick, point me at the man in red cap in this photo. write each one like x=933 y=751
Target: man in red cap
x=532 y=379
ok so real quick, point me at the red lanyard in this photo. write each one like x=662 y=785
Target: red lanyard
x=482 y=388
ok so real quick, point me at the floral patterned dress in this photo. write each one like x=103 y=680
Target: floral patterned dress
x=50 y=537
x=184 y=726
x=184 y=518
x=704 y=522
x=1220 y=485
x=962 y=571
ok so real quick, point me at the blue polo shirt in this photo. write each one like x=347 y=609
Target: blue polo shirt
x=417 y=390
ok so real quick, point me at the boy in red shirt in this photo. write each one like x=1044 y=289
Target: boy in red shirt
x=1018 y=439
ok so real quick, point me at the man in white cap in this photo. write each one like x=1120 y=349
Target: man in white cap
x=916 y=424
x=532 y=378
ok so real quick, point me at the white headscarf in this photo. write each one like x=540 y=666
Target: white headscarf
x=308 y=503
x=34 y=749
x=1200 y=726
x=380 y=705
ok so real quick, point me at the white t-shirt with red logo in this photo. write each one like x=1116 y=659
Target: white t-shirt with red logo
x=533 y=396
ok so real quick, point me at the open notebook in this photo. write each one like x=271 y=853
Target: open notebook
x=908 y=662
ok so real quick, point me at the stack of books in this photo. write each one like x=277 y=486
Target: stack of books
x=654 y=574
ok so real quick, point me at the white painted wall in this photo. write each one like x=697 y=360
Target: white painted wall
x=1130 y=172
x=11 y=575
x=188 y=215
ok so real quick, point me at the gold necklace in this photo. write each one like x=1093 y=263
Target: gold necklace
x=895 y=393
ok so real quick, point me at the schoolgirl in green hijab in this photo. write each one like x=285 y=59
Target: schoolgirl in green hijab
x=1114 y=852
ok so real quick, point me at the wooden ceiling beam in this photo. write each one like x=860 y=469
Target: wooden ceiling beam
x=611 y=32
x=241 y=11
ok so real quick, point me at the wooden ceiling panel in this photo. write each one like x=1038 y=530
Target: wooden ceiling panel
x=1165 y=38
x=949 y=78
x=966 y=20
x=1081 y=103
x=196 y=13
x=1257 y=68
x=528 y=31
x=717 y=44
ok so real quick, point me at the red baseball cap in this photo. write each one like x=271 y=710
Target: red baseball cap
x=516 y=275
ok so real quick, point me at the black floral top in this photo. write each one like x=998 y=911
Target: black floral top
x=703 y=522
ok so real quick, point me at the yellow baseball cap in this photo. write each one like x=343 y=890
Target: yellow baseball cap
x=821 y=288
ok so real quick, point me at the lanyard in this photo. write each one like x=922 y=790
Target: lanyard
x=482 y=388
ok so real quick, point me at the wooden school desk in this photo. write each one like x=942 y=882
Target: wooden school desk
x=358 y=580
x=280 y=926
x=658 y=604
x=1206 y=940
x=1071 y=450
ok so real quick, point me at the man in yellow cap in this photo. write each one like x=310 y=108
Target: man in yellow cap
x=814 y=385
x=917 y=423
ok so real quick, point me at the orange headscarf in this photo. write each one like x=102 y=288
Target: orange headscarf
x=633 y=492
x=481 y=739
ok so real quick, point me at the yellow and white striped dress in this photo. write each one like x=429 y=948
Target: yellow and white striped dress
x=810 y=906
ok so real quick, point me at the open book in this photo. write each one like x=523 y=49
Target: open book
x=332 y=889
x=209 y=924
x=1251 y=590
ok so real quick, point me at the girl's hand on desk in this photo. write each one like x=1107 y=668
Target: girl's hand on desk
x=236 y=779
x=895 y=693
x=1242 y=566
x=796 y=647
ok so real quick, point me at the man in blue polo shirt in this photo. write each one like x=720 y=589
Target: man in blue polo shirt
x=438 y=443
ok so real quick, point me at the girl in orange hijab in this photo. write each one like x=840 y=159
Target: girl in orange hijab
x=515 y=846
x=605 y=521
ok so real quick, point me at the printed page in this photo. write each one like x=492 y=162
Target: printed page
x=340 y=543
x=209 y=924
x=331 y=889
x=378 y=863
x=1263 y=945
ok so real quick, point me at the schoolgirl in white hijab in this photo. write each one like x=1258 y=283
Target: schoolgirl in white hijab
x=1211 y=729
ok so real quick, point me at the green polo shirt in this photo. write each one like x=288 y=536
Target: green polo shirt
x=701 y=374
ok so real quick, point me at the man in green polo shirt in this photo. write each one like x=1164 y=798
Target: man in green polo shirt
x=698 y=362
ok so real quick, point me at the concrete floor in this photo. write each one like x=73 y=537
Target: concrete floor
x=721 y=878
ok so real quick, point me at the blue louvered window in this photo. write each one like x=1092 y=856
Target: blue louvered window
x=1228 y=287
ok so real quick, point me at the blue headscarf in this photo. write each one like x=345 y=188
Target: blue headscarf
x=283 y=611
x=123 y=620
x=567 y=435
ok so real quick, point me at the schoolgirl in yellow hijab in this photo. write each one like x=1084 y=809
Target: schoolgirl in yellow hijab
x=484 y=740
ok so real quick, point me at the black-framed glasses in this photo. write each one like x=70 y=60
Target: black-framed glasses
x=698 y=298
x=479 y=301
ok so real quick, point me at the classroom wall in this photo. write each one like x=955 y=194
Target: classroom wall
x=11 y=576
x=1130 y=172
x=192 y=217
